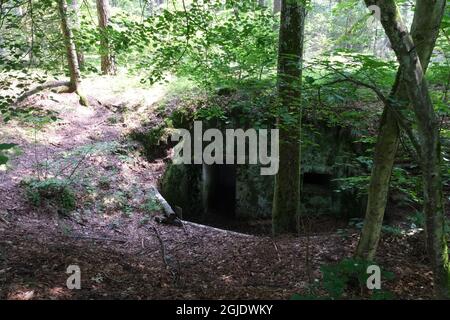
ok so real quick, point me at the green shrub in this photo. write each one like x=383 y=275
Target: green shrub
x=417 y=220
x=347 y=278
x=5 y=147
x=151 y=205
x=337 y=278
x=50 y=191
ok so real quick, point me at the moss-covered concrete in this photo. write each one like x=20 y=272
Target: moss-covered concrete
x=325 y=152
x=181 y=185
x=328 y=154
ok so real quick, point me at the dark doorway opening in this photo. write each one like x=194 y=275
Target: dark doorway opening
x=220 y=190
x=315 y=178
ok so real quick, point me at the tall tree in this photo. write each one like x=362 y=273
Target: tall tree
x=159 y=5
x=424 y=32
x=290 y=55
x=430 y=155
x=71 y=52
x=107 y=58
x=76 y=12
x=276 y=6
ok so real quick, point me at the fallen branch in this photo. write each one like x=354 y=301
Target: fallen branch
x=47 y=85
x=276 y=250
x=209 y=228
x=170 y=215
x=98 y=239
x=163 y=248
x=166 y=259
x=4 y=220
x=165 y=205
x=172 y=218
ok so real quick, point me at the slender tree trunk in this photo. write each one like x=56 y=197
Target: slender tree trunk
x=107 y=58
x=375 y=40
x=150 y=7
x=287 y=183
x=76 y=11
x=384 y=157
x=71 y=52
x=159 y=5
x=276 y=6
x=425 y=26
x=428 y=131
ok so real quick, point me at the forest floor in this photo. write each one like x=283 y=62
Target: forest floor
x=121 y=251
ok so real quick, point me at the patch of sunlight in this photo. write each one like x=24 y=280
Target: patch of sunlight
x=85 y=112
x=111 y=200
x=13 y=130
x=414 y=230
x=155 y=94
x=179 y=86
x=112 y=85
x=126 y=90
x=97 y=148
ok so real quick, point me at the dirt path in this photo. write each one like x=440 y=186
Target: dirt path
x=121 y=252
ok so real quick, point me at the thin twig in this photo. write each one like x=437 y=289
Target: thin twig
x=387 y=102
x=98 y=239
x=4 y=220
x=69 y=177
x=276 y=250
x=163 y=248
x=164 y=255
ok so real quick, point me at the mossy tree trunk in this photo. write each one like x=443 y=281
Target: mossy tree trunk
x=71 y=52
x=287 y=182
x=428 y=132
x=108 y=65
x=385 y=151
x=424 y=32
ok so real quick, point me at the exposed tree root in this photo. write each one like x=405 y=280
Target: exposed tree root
x=54 y=84
x=83 y=99
x=41 y=87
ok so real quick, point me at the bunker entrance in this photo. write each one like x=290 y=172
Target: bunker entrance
x=219 y=191
x=318 y=179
